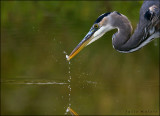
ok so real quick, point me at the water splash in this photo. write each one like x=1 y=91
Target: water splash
x=69 y=86
x=69 y=81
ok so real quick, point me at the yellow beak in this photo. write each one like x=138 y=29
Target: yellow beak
x=73 y=113
x=81 y=45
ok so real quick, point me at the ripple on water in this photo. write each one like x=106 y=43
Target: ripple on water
x=25 y=82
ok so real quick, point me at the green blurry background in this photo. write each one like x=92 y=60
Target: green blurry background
x=34 y=36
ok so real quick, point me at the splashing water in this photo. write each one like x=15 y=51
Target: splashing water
x=69 y=86
x=69 y=80
x=67 y=56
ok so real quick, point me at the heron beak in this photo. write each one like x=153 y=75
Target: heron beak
x=73 y=113
x=82 y=44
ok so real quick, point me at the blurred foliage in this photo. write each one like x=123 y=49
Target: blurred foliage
x=34 y=35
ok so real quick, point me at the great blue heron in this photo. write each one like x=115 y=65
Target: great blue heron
x=147 y=29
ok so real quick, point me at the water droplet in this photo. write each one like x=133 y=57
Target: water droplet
x=67 y=57
x=69 y=80
x=67 y=110
x=65 y=52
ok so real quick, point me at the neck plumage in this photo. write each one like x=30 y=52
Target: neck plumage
x=123 y=40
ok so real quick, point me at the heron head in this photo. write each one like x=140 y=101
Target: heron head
x=98 y=29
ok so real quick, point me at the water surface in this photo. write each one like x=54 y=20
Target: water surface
x=36 y=78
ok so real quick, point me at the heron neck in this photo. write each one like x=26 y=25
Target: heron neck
x=123 y=40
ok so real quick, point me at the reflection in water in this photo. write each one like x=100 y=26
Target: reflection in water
x=73 y=113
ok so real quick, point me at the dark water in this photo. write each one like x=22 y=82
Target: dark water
x=36 y=79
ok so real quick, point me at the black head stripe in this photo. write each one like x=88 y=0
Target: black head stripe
x=118 y=13
x=101 y=17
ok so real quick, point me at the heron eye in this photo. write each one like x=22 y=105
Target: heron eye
x=96 y=26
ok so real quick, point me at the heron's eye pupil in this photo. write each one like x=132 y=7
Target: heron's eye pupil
x=96 y=26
